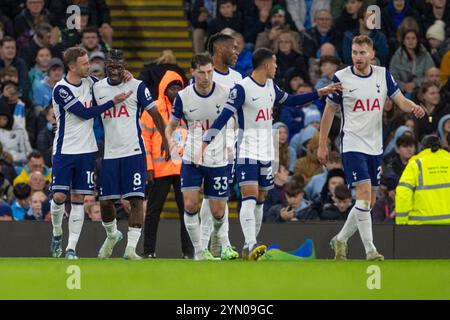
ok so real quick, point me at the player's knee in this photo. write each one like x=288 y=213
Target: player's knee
x=217 y=209
x=191 y=206
x=59 y=197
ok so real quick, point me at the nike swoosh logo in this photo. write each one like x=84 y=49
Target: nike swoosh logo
x=222 y=193
x=193 y=110
x=352 y=90
x=254 y=99
x=134 y=188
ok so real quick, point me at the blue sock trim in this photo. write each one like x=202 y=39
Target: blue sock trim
x=362 y=210
x=259 y=203
x=77 y=203
x=248 y=198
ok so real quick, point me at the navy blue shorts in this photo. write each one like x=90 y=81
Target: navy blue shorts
x=123 y=177
x=215 y=180
x=249 y=171
x=360 y=167
x=73 y=172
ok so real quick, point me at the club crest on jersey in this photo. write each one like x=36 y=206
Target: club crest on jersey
x=232 y=96
x=63 y=93
x=264 y=115
x=148 y=96
x=116 y=112
x=369 y=106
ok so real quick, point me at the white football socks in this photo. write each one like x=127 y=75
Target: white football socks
x=193 y=228
x=247 y=219
x=57 y=211
x=76 y=220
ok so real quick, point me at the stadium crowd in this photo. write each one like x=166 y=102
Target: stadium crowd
x=311 y=39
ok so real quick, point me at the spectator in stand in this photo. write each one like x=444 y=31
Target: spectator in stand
x=304 y=11
x=335 y=177
x=341 y=205
x=435 y=39
x=98 y=57
x=310 y=122
x=244 y=64
x=433 y=75
x=6 y=190
x=286 y=156
x=201 y=12
x=21 y=204
x=384 y=207
x=37 y=183
x=328 y=66
x=88 y=201
x=42 y=91
x=437 y=10
x=228 y=17
x=295 y=206
x=410 y=61
x=46 y=135
x=98 y=11
x=277 y=195
x=309 y=165
x=35 y=163
x=393 y=15
x=256 y=18
x=90 y=41
x=39 y=207
x=71 y=37
x=405 y=148
x=6 y=26
x=41 y=38
x=320 y=34
x=94 y=212
x=40 y=69
x=445 y=69
x=435 y=109
x=33 y=12
x=378 y=38
x=13 y=137
x=391 y=116
x=315 y=185
x=288 y=56
x=278 y=25
x=6 y=166
x=348 y=20
x=444 y=131
x=389 y=150
x=8 y=57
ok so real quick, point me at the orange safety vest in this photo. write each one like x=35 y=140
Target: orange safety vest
x=152 y=138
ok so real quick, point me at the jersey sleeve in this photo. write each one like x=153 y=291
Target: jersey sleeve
x=236 y=98
x=392 y=86
x=280 y=95
x=64 y=97
x=177 y=110
x=144 y=97
x=335 y=99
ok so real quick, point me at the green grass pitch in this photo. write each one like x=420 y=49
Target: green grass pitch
x=30 y=278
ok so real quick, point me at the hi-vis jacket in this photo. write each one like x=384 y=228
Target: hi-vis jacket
x=152 y=138
x=423 y=193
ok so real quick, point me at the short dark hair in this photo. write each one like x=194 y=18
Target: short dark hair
x=217 y=38
x=22 y=191
x=7 y=39
x=406 y=140
x=260 y=56
x=329 y=59
x=115 y=54
x=342 y=192
x=201 y=59
x=90 y=29
x=221 y=2
x=72 y=54
x=294 y=187
x=35 y=155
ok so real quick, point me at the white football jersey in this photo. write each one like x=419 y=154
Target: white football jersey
x=253 y=105
x=74 y=134
x=199 y=113
x=361 y=103
x=121 y=123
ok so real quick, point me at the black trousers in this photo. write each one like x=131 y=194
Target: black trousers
x=157 y=195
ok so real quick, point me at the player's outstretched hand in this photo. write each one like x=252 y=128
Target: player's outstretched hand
x=418 y=111
x=322 y=155
x=127 y=76
x=332 y=88
x=122 y=97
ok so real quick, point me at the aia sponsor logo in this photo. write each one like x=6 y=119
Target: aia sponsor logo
x=116 y=112
x=367 y=105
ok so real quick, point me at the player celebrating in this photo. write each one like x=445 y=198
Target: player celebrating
x=74 y=146
x=252 y=100
x=199 y=104
x=223 y=49
x=361 y=103
x=124 y=166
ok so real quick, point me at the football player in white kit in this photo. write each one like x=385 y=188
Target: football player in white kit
x=74 y=146
x=365 y=89
x=124 y=165
x=223 y=49
x=252 y=100
x=199 y=105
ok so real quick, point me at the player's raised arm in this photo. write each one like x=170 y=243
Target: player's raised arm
x=303 y=99
x=235 y=102
x=65 y=99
